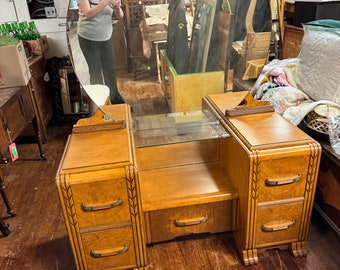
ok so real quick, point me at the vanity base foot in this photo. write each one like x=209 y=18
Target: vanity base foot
x=249 y=256
x=299 y=249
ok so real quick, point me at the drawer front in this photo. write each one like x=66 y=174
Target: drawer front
x=278 y=224
x=17 y=112
x=101 y=202
x=282 y=177
x=109 y=249
x=211 y=217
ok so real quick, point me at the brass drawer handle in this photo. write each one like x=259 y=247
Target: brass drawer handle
x=278 y=226
x=191 y=221
x=108 y=253
x=90 y=208
x=270 y=182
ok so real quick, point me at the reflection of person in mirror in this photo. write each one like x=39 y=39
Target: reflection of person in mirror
x=94 y=34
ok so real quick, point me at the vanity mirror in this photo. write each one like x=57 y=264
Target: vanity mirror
x=249 y=20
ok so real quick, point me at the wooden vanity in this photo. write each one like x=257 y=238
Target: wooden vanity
x=126 y=182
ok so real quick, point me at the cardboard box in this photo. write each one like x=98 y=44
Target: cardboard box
x=38 y=46
x=14 y=68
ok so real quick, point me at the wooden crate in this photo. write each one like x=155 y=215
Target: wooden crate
x=292 y=41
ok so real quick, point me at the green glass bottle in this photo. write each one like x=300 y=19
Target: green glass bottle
x=33 y=30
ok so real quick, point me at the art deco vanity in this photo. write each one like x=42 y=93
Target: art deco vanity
x=126 y=182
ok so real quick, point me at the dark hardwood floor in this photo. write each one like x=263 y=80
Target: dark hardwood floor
x=39 y=241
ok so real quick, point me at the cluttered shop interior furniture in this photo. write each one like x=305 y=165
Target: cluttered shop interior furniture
x=198 y=169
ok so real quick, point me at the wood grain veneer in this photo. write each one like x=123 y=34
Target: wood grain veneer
x=274 y=167
x=99 y=194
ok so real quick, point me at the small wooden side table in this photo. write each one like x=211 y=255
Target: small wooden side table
x=16 y=113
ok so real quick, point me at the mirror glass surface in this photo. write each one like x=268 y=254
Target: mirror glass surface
x=240 y=25
x=75 y=53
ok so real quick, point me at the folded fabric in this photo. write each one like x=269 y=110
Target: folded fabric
x=283 y=97
x=295 y=114
x=271 y=69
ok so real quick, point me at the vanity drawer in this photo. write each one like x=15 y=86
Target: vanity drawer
x=283 y=176
x=278 y=223
x=101 y=202
x=109 y=249
x=214 y=217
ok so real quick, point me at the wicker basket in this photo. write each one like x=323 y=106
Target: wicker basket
x=317 y=119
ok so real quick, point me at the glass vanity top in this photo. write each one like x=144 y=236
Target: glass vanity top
x=171 y=128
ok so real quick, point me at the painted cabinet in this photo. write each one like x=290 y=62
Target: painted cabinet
x=53 y=28
x=7 y=11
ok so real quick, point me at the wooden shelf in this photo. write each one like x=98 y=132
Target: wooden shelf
x=185 y=185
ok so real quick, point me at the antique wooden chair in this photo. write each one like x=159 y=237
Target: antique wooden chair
x=4 y=227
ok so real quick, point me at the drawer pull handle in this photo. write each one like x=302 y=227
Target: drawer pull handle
x=278 y=226
x=108 y=253
x=191 y=221
x=270 y=182
x=91 y=208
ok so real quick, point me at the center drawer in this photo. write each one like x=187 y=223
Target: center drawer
x=214 y=217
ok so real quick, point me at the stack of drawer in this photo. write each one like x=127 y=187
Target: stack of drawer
x=101 y=209
x=99 y=194
x=274 y=167
x=280 y=191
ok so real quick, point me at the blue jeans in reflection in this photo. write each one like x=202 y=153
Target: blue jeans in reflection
x=99 y=58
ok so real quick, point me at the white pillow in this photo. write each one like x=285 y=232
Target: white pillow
x=319 y=69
